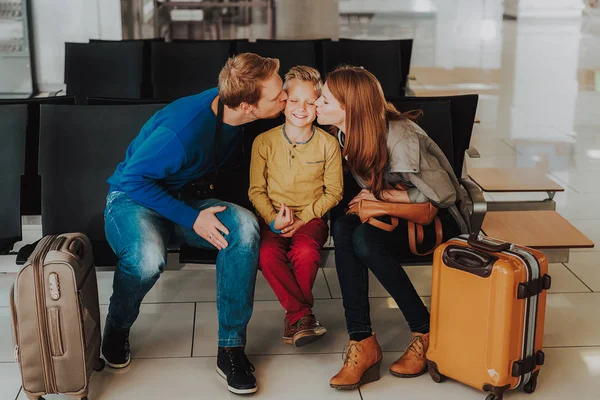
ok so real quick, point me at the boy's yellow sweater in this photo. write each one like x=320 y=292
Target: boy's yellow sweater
x=307 y=177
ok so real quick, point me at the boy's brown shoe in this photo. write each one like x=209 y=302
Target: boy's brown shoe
x=308 y=330
x=288 y=332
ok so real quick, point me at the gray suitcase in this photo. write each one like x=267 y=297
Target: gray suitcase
x=56 y=317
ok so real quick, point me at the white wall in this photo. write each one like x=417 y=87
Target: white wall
x=58 y=21
x=543 y=8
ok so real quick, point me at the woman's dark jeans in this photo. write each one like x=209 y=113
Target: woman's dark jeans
x=363 y=247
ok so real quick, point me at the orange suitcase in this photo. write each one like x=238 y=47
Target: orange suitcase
x=488 y=305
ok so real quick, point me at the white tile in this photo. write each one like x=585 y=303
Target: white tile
x=420 y=276
x=266 y=327
x=591 y=229
x=10 y=381
x=289 y=377
x=586 y=266
x=187 y=286
x=573 y=205
x=30 y=234
x=8 y=263
x=6 y=280
x=564 y=281
x=390 y=387
x=161 y=330
x=572 y=320
x=567 y=373
x=7 y=348
x=582 y=182
x=492 y=147
x=299 y=377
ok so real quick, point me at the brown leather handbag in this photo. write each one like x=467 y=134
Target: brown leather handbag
x=416 y=214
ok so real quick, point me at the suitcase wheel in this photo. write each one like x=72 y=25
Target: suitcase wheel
x=99 y=365
x=434 y=373
x=530 y=386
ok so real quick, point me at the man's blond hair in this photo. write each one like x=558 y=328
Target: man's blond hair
x=241 y=77
x=304 y=74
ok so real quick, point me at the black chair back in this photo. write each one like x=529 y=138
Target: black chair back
x=289 y=52
x=104 y=69
x=108 y=101
x=405 y=58
x=146 y=91
x=31 y=184
x=463 y=109
x=382 y=58
x=186 y=68
x=436 y=121
x=12 y=162
x=80 y=147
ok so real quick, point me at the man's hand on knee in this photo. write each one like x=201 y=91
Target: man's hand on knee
x=209 y=227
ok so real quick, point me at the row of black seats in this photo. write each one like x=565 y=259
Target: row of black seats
x=80 y=145
x=166 y=71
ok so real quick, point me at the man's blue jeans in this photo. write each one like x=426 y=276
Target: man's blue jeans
x=139 y=237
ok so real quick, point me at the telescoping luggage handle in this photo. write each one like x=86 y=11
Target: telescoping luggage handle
x=476 y=242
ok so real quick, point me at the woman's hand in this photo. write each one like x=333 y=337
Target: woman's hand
x=363 y=195
x=291 y=230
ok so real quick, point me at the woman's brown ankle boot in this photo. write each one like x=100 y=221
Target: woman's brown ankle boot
x=361 y=365
x=413 y=362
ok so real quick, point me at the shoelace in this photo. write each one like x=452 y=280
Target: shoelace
x=127 y=342
x=412 y=346
x=304 y=320
x=348 y=351
x=239 y=363
x=301 y=322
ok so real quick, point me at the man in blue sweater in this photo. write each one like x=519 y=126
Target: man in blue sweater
x=147 y=208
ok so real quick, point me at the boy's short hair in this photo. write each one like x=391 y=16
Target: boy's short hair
x=304 y=74
x=241 y=77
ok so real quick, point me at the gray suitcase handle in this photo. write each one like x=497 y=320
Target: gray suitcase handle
x=475 y=242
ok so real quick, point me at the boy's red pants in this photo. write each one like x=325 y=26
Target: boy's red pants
x=290 y=265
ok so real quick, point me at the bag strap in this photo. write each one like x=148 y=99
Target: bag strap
x=382 y=225
x=416 y=235
x=218 y=131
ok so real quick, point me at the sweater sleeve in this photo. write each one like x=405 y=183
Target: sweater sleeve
x=333 y=185
x=161 y=155
x=258 y=182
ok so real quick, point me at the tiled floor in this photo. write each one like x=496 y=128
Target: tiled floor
x=539 y=107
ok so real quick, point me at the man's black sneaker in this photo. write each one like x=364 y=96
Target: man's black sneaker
x=234 y=366
x=115 y=348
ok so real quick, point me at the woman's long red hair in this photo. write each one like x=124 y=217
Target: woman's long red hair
x=367 y=116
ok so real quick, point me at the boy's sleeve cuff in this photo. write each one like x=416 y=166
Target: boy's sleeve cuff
x=272 y=226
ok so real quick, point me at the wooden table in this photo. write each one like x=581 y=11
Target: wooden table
x=544 y=230
x=516 y=180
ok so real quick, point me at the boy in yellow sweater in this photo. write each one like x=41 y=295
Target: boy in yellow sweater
x=295 y=178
